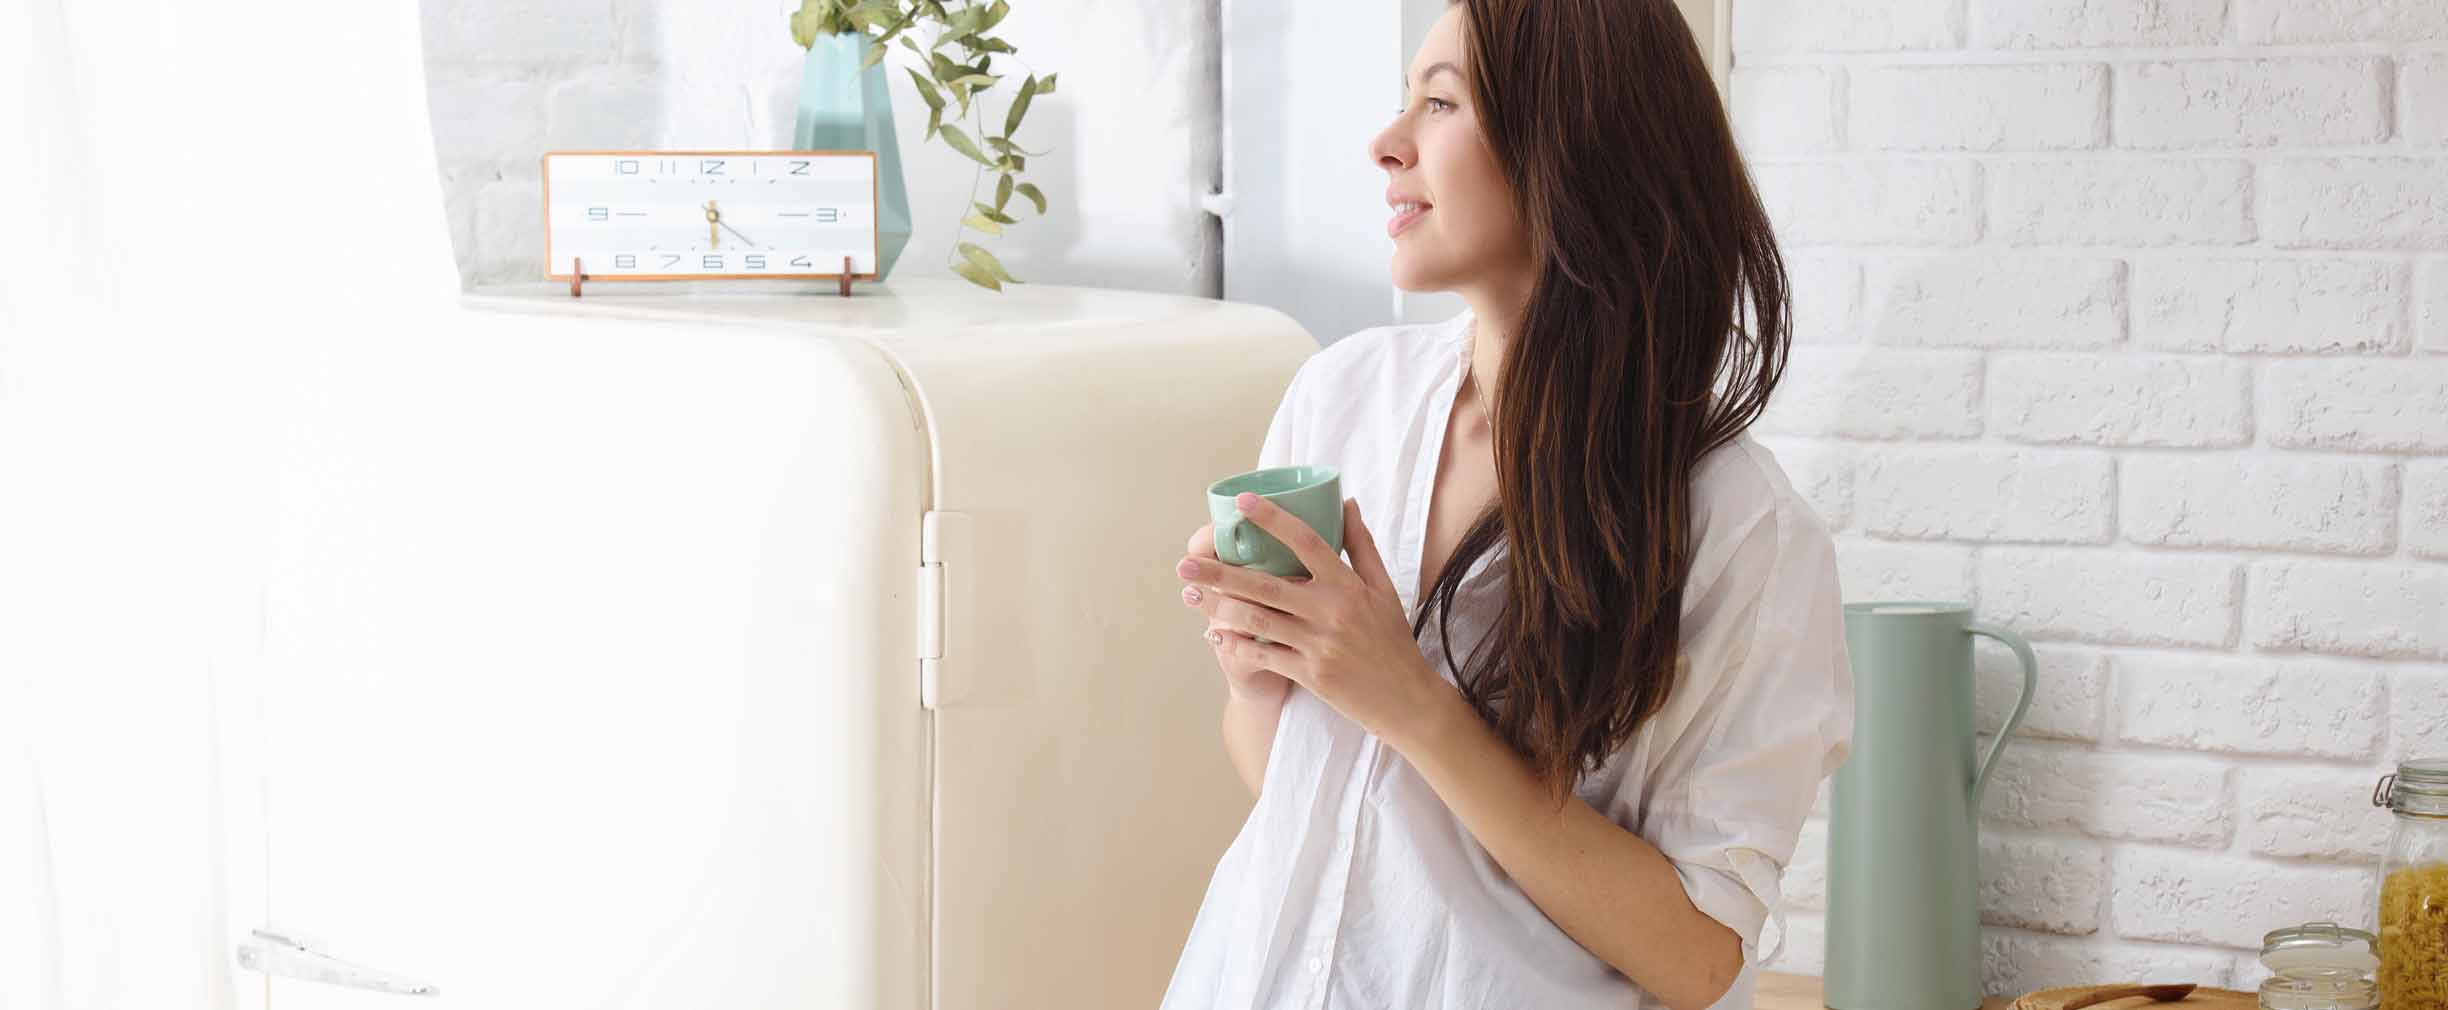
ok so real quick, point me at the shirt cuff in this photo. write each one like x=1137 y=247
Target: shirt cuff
x=1735 y=885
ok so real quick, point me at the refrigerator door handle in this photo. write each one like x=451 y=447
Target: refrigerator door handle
x=278 y=953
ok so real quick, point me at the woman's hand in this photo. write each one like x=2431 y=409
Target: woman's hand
x=1340 y=633
x=1243 y=676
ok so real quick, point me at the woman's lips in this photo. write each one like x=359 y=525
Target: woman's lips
x=1403 y=219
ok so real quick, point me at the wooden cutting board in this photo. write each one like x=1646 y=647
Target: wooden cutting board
x=2203 y=998
x=1787 y=991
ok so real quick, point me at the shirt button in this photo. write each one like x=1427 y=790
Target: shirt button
x=1316 y=966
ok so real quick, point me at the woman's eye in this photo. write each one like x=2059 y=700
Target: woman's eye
x=1440 y=101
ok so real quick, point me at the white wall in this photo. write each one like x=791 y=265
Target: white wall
x=1131 y=130
x=2128 y=321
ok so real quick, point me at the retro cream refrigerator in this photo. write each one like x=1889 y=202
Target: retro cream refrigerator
x=751 y=652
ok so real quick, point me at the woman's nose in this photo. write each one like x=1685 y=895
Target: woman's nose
x=1386 y=150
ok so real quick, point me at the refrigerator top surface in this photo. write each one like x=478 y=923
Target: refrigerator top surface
x=884 y=312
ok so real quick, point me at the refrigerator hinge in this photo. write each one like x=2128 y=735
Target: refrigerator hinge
x=942 y=598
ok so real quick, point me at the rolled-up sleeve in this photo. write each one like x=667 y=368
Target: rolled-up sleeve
x=1779 y=720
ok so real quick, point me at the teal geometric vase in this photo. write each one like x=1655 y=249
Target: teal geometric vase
x=845 y=108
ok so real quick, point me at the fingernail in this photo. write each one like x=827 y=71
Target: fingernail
x=1190 y=594
x=1187 y=568
x=1246 y=500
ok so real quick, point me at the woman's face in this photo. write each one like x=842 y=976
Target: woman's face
x=1433 y=153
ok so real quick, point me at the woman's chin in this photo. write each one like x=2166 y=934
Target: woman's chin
x=1409 y=277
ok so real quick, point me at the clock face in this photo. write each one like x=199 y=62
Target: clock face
x=659 y=215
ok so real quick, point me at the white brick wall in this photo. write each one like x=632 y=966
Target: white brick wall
x=508 y=80
x=2127 y=322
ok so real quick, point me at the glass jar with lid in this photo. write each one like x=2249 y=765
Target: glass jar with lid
x=2319 y=966
x=2413 y=909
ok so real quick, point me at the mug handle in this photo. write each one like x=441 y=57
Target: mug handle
x=2031 y=683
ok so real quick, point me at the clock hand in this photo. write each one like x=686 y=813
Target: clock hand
x=751 y=242
x=713 y=217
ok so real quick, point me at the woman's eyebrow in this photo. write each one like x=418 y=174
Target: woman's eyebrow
x=1432 y=70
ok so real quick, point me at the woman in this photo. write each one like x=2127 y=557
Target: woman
x=1581 y=789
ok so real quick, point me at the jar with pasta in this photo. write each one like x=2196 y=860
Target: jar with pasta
x=2413 y=911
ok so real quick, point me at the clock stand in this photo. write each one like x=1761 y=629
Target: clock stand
x=578 y=275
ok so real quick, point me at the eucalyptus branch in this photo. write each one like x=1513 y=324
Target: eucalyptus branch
x=884 y=21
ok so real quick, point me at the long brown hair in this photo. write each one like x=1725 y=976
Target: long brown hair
x=1648 y=239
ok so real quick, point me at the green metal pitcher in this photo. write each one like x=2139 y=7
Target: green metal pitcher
x=1903 y=915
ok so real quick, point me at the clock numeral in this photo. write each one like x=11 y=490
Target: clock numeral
x=801 y=261
x=712 y=261
x=599 y=213
x=625 y=261
x=799 y=168
x=756 y=261
x=710 y=166
x=626 y=166
x=670 y=259
x=828 y=215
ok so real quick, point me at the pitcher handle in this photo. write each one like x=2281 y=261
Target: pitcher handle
x=2031 y=683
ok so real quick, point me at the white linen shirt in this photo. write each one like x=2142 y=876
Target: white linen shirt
x=1352 y=885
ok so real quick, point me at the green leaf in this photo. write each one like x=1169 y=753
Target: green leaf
x=945 y=70
x=903 y=22
x=912 y=46
x=934 y=123
x=985 y=260
x=1019 y=105
x=1029 y=189
x=926 y=90
x=991 y=214
x=993 y=46
x=994 y=14
x=976 y=275
x=1046 y=87
x=979 y=82
x=983 y=224
x=813 y=18
x=1005 y=145
x=1003 y=192
x=875 y=55
x=960 y=142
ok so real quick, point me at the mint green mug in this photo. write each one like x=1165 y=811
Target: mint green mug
x=1314 y=493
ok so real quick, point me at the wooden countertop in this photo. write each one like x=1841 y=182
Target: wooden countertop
x=1780 y=991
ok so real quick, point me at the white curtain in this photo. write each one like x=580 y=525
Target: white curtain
x=201 y=198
